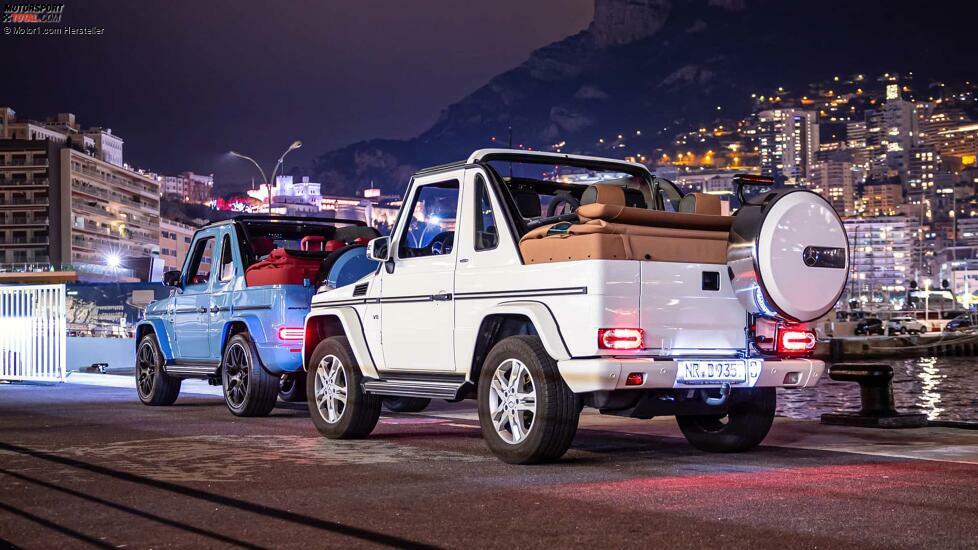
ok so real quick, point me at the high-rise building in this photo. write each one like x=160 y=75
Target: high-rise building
x=27 y=170
x=891 y=132
x=856 y=144
x=175 y=238
x=923 y=167
x=882 y=199
x=113 y=211
x=66 y=199
x=881 y=249
x=836 y=181
x=189 y=187
x=787 y=144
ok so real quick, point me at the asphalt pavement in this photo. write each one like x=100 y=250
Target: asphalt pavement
x=89 y=466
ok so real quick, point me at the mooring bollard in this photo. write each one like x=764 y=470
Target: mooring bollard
x=878 y=409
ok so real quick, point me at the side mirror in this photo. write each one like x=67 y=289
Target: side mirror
x=171 y=278
x=379 y=249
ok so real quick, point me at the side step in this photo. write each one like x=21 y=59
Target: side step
x=434 y=387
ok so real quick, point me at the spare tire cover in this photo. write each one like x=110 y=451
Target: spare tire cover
x=788 y=256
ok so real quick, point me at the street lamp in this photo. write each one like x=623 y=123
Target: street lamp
x=268 y=184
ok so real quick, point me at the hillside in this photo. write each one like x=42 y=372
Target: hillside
x=660 y=67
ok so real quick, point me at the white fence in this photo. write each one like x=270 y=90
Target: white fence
x=32 y=332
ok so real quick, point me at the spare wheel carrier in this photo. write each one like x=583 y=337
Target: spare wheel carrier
x=788 y=255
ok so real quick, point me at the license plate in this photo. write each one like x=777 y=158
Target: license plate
x=711 y=371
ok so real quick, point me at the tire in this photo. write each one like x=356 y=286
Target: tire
x=520 y=434
x=406 y=404
x=249 y=390
x=292 y=387
x=341 y=410
x=154 y=387
x=742 y=428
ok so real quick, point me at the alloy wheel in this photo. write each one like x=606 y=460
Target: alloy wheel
x=331 y=389
x=512 y=401
x=236 y=367
x=146 y=365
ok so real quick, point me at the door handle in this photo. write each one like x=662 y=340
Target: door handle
x=201 y=310
x=444 y=297
x=215 y=309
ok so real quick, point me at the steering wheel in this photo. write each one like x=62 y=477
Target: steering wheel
x=560 y=200
x=442 y=243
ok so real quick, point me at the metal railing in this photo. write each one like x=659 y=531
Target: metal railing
x=78 y=267
x=33 y=335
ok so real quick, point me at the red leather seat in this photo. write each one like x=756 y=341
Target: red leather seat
x=282 y=268
x=262 y=246
x=334 y=245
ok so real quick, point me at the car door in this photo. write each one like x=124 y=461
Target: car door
x=225 y=279
x=192 y=303
x=417 y=310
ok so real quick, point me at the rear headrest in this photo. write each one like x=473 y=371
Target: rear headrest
x=309 y=241
x=700 y=203
x=599 y=193
x=528 y=203
x=262 y=246
x=334 y=244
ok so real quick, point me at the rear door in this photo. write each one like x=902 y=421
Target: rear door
x=690 y=309
x=417 y=311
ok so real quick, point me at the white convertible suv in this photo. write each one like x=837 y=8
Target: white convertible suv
x=539 y=283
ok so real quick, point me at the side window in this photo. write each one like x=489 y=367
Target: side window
x=227 y=260
x=430 y=230
x=199 y=270
x=486 y=231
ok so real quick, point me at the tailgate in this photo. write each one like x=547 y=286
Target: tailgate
x=683 y=312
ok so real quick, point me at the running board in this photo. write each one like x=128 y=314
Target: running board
x=416 y=388
x=192 y=369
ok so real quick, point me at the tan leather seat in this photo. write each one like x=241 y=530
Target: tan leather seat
x=609 y=205
x=610 y=230
x=701 y=203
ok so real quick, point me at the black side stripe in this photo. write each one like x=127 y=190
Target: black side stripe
x=485 y=295
x=528 y=293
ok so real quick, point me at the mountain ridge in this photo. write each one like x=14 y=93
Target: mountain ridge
x=658 y=66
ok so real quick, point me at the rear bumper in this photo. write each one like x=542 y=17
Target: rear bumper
x=609 y=373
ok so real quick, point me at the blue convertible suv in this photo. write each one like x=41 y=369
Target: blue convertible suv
x=236 y=313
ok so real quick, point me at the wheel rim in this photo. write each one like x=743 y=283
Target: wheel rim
x=331 y=389
x=512 y=401
x=146 y=361
x=236 y=367
x=287 y=384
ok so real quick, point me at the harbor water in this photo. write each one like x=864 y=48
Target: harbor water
x=943 y=388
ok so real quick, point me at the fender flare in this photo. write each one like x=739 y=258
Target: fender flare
x=543 y=321
x=353 y=329
x=159 y=328
x=255 y=329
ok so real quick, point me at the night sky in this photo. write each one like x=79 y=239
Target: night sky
x=183 y=82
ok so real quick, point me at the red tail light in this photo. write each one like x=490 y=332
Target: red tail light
x=291 y=333
x=794 y=341
x=621 y=338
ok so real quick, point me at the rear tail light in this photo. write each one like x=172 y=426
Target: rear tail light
x=795 y=341
x=291 y=333
x=621 y=338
